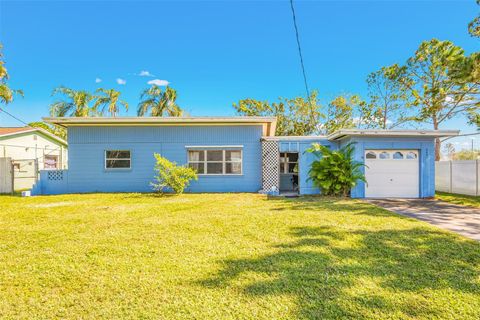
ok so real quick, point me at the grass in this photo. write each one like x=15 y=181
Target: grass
x=228 y=256
x=459 y=199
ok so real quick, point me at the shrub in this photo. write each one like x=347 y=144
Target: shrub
x=171 y=176
x=335 y=172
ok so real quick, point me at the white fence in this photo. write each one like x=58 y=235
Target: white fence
x=6 y=175
x=459 y=176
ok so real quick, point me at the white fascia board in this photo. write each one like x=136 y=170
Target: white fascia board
x=294 y=138
x=268 y=123
x=213 y=146
x=340 y=134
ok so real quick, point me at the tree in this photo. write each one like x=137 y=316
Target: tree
x=295 y=116
x=434 y=94
x=75 y=103
x=335 y=172
x=385 y=109
x=467 y=71
x=344 y=112
x=109 y=99
x=53 y=129
x=466 y=155
x=474 y=25
x=6 y=93
x=170 y=176
x=449 y=149
x=474 y=118
x=159 y=102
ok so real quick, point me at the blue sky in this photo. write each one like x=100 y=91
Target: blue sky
x=215 y=52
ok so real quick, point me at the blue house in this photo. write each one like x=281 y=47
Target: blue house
x=233 y=154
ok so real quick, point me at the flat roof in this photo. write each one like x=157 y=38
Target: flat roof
x=294 y=138
x=268 y=123
x=340 y=134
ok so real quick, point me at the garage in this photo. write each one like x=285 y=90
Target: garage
x=392 y=173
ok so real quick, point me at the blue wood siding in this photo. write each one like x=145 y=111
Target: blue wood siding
x=424 y=145
x=87 y=145
x=304 y=161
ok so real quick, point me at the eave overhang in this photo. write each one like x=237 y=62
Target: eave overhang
x=268 y=123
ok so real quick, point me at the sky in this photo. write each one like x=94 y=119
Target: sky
x=215 y=53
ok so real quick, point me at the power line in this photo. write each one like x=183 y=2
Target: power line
x=299 y=49
x=461 y=135
x=11 y=115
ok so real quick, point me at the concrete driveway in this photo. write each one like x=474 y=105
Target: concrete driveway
x=460 y=219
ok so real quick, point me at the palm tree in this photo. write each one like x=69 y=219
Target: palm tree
x=76 y=104
x=159 y=102
x=6 y=93
x=109 y=99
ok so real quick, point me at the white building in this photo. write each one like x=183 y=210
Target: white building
x=32 y=149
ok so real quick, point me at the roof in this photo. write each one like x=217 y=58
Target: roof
x=268 y=123
x=295 y=138
x=340 y=134
x=12 y=131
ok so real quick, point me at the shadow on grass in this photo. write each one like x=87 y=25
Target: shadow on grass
x=460 y=199
x=330 y=204
x=144 y=195
x=322 y=264
x=14 y=194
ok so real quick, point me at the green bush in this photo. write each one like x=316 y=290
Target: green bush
x=170 y=176
x=335 y=172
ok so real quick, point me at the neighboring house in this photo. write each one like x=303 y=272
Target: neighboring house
x=233 y=154
x=31 y=149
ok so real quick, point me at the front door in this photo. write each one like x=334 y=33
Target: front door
x=289 y=172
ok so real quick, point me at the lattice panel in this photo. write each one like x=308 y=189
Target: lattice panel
x=270 y=166
x=55 y=175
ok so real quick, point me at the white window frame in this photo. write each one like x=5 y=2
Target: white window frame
x=106 y=159
x=391 y=152
x=223 y=161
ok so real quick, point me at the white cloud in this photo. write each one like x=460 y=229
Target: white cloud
x=145 y=73
x=159 y=82
x=121 y=81
x=98 y=80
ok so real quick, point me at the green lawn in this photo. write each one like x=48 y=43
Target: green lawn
x=234 y=256
x=459 y=199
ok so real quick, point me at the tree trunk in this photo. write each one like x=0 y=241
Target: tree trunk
x=385 y=118
x=438 y=143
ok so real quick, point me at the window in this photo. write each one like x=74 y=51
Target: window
x=398 y=155
x=50 y=162
x=411 y=155
x=288 y=162
x=117 y=159
x=384 y=155
x=216 y=162
x=371 y=155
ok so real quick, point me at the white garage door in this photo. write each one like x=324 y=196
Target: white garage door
x=392 y=173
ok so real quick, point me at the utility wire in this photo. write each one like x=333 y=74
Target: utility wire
x=461 y=135
x=299 y=49
x=11 y=115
